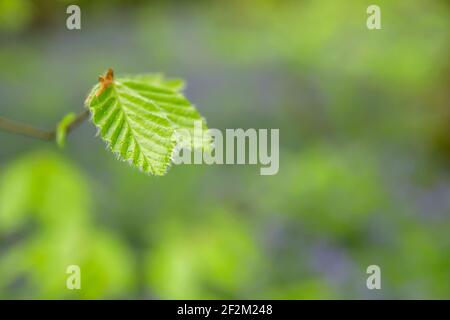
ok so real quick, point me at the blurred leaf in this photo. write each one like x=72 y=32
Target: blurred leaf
x=15 y=14
x=45 y=189
x=329 y=190
x=216 y=258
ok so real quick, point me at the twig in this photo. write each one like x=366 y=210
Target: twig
x=29 y=131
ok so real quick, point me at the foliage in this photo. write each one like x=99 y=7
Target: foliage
x=364 y=152
x=46 y=201
x=195 y=263
x=139 y=116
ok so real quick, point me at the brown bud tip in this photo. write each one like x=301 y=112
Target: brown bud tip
x=110 y=74
x=105 y=81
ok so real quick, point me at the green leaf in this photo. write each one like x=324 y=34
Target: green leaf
x=144 y=117
x=61 y=129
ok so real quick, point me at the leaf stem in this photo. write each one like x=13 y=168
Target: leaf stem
x=32 y=132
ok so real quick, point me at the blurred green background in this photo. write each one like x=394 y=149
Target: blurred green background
x=364 y=166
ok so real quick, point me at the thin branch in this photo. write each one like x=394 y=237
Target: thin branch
x=77 y=121
x=29 y=131
x=25 y=130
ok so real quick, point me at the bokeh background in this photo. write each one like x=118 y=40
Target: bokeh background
x=364 y=166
